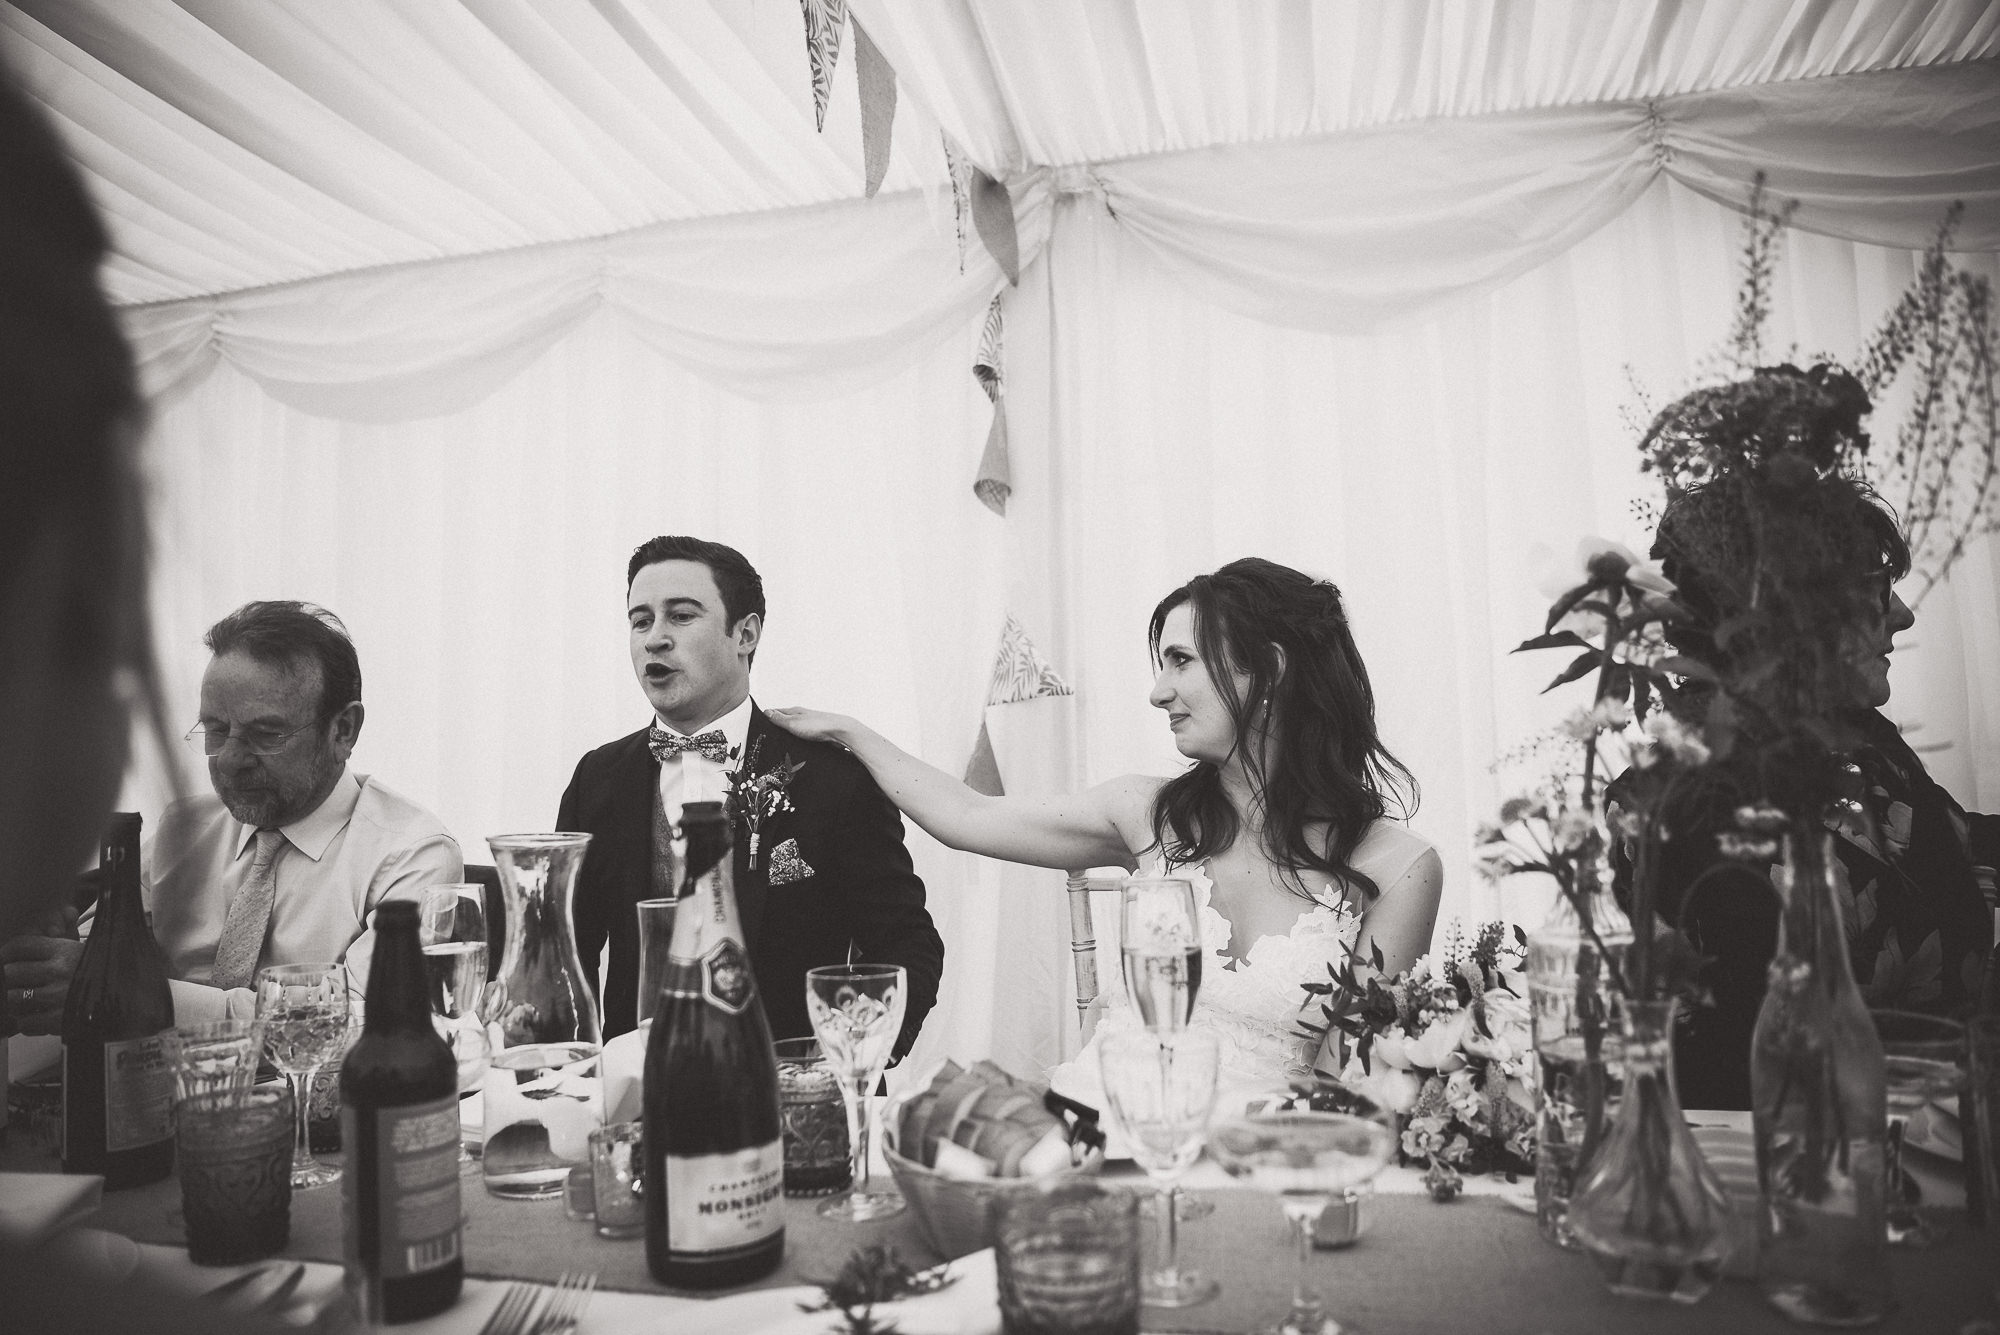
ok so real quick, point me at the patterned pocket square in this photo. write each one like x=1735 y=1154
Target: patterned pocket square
x=786 y=864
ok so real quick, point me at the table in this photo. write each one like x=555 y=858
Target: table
x=1475 y=1264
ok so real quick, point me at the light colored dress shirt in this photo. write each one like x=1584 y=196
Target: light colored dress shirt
x=693 y=777
x=365 y=844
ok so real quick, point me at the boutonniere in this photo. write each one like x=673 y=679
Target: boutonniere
x=875 y=1275
x=753 y=796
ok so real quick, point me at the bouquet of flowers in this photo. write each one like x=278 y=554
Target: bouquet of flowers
x=1446 y=1043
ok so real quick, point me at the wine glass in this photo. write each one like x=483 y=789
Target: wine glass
x=1307 y=1158
x=1922 y=1058
x=1159 y=940
x=452 y=928
x=1161 y=1087
x=857 y=1011
x=304 y=1010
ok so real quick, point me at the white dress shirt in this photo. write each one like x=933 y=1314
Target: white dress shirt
x=364 y=844
x=692 y=776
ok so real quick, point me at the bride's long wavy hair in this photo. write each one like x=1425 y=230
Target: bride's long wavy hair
x=1288 y=633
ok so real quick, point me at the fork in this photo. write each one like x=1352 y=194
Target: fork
x=567 y=1303
x=516 y=1313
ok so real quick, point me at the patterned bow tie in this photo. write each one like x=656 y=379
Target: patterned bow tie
x=666 y=745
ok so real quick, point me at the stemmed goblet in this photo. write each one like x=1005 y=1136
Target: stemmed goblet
x=1161 y=1087
x=857 y=1011
x=1307 y=1158
x=1923 y=1061
x=304 y=1010
x=453 y=931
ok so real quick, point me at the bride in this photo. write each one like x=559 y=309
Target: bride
x=1281 y=823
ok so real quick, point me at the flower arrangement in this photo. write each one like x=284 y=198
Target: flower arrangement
x=1446 y=1044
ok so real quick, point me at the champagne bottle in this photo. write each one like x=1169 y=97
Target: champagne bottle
x=117 y=1091
x=714 y=1160
x=399 y=1122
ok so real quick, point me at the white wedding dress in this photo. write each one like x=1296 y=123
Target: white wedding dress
x=1254 y=1006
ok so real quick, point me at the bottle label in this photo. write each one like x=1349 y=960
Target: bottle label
x=138 y=1094
x=416 y=1187
x=725 y=977
x=721 y=1202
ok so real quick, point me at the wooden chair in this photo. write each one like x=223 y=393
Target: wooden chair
x=1083 y=942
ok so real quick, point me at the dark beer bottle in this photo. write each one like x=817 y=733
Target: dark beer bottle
x=117 y=1092
x=399 y=1122
x=714 y=1161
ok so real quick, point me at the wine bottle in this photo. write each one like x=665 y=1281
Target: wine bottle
x=399 y=1122
x=714 y=1160
x=117 y=1091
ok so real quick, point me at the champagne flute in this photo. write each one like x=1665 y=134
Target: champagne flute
x=1159 y=945
x=453 y=931
x=1922 y=1061
x=857 y=1012
x=1159 y=941
x=304 y=1010
x=1161 y=1087
x=1307 y=1158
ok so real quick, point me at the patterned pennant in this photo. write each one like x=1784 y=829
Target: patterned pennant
x=825 y=21
x=1019 y=671
x=960 y=169
x=994 y=482
x=986 y=365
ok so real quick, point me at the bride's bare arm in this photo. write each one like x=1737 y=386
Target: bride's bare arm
x=1086 y=829
x=1402 y=917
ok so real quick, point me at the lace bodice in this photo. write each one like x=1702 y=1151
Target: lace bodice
x=1254 y=1005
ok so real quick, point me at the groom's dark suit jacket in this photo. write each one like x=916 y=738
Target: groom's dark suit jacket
x=861 y=889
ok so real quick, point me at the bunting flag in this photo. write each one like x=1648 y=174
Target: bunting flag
x=825 y=19
x=993 y=215
x=1020 y=674
x=1019 y=671
x=994 y=482
x=960 y=169
x=878 y=109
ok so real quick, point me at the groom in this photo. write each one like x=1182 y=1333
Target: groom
x=831 y=876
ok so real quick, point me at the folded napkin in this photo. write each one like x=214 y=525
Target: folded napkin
x=624 y=1064
x=317 y=1300
x=34 y=1206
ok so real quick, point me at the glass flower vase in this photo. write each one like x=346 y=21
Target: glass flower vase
x=1573 y=959
x=1819 y=1103
x=543 y=1089
x=1650 y=1210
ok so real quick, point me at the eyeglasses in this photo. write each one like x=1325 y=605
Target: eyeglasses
x=257 y=741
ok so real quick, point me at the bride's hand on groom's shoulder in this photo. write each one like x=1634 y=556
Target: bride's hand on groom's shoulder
x=814 y=725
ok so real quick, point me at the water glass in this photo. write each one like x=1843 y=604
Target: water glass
x=1068 y=1260
x=857 y=1012
x=1922 y=1063
x=813 y=1117
x=656 y=934
x=617 y=1170
x=217 y=1057
x=1979 y=1120
x=235 y=1160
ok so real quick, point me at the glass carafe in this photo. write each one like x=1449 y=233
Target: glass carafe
x=1650 y=1210
x=544 y=1091
x=1820 y=1107
x=1574 y=959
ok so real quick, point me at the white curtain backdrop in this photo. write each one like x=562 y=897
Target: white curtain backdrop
x=444 y=308
x=478 y=556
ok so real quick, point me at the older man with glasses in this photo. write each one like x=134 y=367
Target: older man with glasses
x=293 y=852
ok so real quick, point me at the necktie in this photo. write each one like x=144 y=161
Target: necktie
x=249 y=917
x=666 y=745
